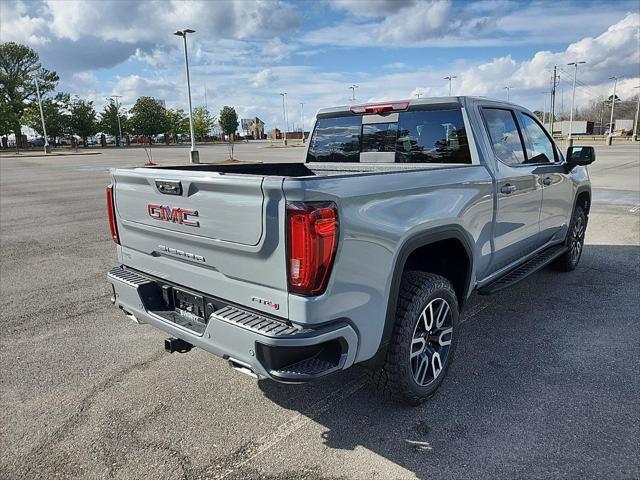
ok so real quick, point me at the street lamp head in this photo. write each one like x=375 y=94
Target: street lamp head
x=179 y=33
x=188 y=30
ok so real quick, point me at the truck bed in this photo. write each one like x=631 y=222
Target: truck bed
x=298 y=170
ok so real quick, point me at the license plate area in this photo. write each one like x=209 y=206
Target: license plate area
x=189 y=305
x=183 y=307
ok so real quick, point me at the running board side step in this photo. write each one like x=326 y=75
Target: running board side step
x=521 y=272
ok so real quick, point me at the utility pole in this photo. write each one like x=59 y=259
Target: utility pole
x=637 y=117
x=47 y=149
x=552 y=110
x=353 y=92
x=573 y=100
x=115 y=98
x=450 y=77
x=417 y=95
x=508 y=89
x=544 y=109
x=302 y=119
x=195 y=156
x=613 y=102
x=284 y=118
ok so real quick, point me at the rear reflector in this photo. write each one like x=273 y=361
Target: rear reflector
x=312 y=240
x=380 y=108
x=111 y=215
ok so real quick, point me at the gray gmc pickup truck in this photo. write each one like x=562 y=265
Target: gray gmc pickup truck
x=364 y=254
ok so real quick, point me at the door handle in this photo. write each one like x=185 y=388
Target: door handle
x=508 y=188
x=547 y=181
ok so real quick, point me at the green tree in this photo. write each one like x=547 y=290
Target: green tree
x=19 y=65
x=177 y=123
x=83 y=120
x=228 y=121
x=203 y=122
x=148 y=117
x=108 y=122
x=56 y=116
x=7 y=120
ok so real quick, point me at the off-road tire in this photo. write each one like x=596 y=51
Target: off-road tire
x=577 y=228
x=396 y=377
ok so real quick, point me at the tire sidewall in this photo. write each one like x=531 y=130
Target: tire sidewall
x=411 y=316
x=578 y=212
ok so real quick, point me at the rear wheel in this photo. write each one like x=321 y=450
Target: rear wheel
x=575 y=241
x=423 y=340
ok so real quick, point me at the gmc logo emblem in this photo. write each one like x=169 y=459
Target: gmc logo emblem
x=175 y=215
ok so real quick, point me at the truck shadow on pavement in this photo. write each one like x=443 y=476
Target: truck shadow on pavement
x=544 y=384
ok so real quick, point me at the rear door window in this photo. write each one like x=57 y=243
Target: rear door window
x=434 y=136
x=420 y=136
x=504 y=135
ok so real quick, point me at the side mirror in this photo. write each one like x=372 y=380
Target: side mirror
x=580 y=156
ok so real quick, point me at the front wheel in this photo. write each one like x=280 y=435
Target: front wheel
x=423 y=340
x=575 y=241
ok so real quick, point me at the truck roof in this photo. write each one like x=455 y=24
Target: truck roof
x=462 y=100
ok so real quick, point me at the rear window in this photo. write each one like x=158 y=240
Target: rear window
x=421 y=136
x=336 y=140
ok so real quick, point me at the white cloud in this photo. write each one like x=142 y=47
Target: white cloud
x=264 y=78
x=277 y=50
x=445 y=24
x=133 y=21
x=16 y=25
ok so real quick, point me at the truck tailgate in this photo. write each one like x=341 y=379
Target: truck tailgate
x=210 y=232
x=228 y=208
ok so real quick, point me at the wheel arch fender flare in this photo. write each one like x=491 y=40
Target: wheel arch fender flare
x=407 y=247
x=579 y=191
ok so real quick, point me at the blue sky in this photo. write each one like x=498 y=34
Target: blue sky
x=244 y=53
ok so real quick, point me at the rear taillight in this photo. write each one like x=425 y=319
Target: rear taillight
x=312 y=240
x=111 y=214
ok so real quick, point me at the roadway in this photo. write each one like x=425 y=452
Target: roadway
x=544 y=384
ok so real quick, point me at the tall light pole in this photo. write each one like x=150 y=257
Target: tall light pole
x=573 y=99
x=508 y=89
x=284 y=117
x=195 y=156
x=47 y=149
x=353 y=92
x=613 y=102
x=450 y=77
x=637 y=117
x=115 y=99
x=417 y=95
x=302 y=119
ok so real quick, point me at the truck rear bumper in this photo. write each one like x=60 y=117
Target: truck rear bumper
x=252 y=342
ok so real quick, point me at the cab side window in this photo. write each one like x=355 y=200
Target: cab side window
x=538 y=145
x=504 y=135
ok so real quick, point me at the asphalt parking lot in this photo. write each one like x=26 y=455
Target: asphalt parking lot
x=545 y=383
